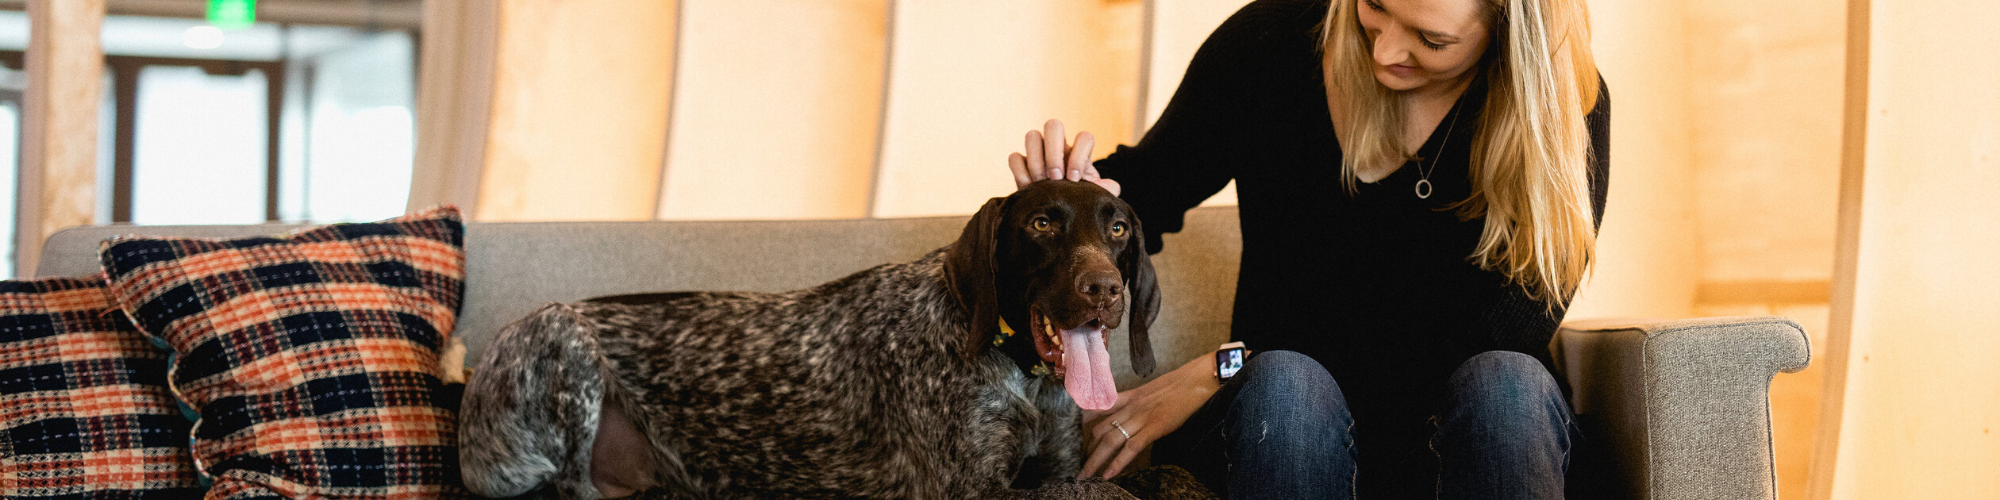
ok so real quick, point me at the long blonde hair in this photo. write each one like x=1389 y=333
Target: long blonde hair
x=1530 y=168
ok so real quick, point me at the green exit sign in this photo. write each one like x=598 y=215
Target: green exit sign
x=232 y=14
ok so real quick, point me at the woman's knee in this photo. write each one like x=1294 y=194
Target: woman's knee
x=1507 y=419
x=1288 y=409
x=1288 y=386
x=1506 y=386
x=1287 y=375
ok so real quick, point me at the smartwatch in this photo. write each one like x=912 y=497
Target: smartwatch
x=1229 y=359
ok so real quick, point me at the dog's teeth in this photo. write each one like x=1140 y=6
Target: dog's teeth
x=1053 y=335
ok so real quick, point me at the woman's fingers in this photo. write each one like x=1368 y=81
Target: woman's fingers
x=1019 y=165
x=1109 y=185
x=1111 y=441
x=1107 y=447
x=1050 y=156
x=1053 y=149
x=1114 y=450
x=1126 y=453
x=1104 y=430
x=1079 y=156
x=1036 y=164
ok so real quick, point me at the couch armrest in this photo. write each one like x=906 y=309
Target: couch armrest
x=1680 y=409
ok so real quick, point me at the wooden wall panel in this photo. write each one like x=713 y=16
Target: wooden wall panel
x=1919 y=402
x=579 y=112
x=777 y=106
x=1646 y=265
x=968 y=78
x=1765 y=114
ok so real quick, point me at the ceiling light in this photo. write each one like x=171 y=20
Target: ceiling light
x=232 y=14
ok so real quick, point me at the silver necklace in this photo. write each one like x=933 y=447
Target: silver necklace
x=1424 y=180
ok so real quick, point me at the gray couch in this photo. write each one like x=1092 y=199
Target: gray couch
x=1679 y=407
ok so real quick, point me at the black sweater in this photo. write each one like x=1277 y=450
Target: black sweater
x=1376 y=285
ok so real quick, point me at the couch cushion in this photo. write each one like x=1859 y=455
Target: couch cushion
x=312 y=357
x=84 y=405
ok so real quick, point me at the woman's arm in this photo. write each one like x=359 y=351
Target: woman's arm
x=1599 y=122
x=1212 y=121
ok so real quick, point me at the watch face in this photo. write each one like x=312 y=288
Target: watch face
x=1227 y=362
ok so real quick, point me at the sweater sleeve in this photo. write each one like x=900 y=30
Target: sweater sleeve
x=1599 y=122
x=1191 y=152
x=1516 y=322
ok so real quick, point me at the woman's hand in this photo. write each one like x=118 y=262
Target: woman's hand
x=1147 y=412
x=1050 y=157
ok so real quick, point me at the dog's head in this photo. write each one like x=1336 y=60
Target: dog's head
x=1059 y=261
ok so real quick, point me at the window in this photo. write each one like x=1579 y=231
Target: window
x=291 y=122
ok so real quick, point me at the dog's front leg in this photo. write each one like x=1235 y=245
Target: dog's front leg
x=1058 y=433
x=1050 y=472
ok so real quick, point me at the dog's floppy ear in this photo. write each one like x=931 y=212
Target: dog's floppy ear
x=969 y=270
x=1143 y=292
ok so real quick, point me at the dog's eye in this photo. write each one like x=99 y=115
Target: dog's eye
x=1041 y=223
x=1118 y=228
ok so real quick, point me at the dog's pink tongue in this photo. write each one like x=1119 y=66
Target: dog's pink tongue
x=1087 y=369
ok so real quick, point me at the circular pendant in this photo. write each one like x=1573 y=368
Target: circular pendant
x=1423 y=189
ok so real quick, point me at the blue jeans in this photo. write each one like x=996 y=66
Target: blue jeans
x=1282 y=429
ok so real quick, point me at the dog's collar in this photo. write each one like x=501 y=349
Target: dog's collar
x=1021 y=350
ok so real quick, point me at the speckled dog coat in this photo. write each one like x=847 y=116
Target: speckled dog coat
x=882 y=384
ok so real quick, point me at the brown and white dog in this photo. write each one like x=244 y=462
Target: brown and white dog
x=895 y=382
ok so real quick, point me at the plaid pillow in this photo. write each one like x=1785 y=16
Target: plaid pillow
x=312 y=357
x=84 y=405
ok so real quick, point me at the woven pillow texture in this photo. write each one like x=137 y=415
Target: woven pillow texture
x=84 y=405
x=312 y=357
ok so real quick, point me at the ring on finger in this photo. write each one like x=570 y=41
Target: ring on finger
x=1121 y=430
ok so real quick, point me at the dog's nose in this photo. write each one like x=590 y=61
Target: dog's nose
x=1101 y=288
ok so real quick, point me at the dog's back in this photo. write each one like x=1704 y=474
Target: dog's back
x=851 y=388
x=826 y=391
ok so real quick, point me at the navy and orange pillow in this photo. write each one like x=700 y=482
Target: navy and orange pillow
x=85 y=409
x=312 y=357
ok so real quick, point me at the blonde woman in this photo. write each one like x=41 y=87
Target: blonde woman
x=1420 y=183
